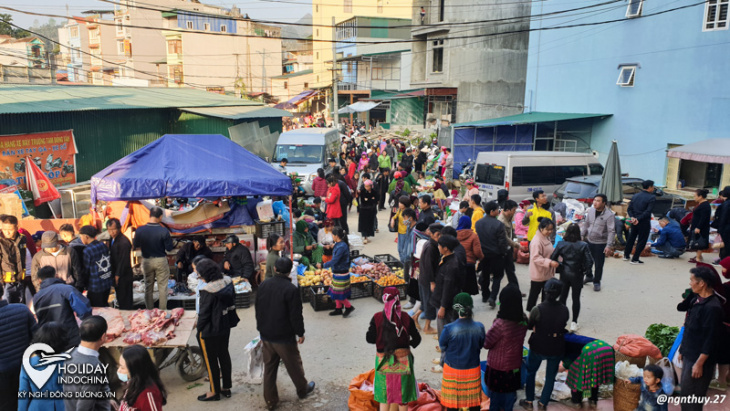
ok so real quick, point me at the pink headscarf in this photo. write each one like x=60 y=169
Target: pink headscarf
x=368 y=182
x=392 y=309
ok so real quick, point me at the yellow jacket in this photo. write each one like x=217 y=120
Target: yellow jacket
x=476 y=216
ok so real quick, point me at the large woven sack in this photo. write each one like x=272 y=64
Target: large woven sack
x=636 y=346
x=429 y=399
x=625 y=395
x=361 y=400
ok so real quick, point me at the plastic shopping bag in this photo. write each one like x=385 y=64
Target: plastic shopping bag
x=254 y=355
x=668 y=379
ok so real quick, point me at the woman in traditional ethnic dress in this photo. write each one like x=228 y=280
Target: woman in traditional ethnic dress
x=590 y=364
x=340 y=265
x=504 y=342
x=461 y=342
x=305 y=245
x=394 y=333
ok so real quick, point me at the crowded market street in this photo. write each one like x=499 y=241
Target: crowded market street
x=335 y=351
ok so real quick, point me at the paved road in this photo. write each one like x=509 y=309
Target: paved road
x=335 y=351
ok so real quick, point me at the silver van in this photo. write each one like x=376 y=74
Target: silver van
x=523 y=172
x=307 y=149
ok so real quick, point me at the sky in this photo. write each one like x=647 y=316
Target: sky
x=256 y=9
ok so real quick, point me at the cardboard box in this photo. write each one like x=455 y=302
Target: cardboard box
x=620 y=209
x=265 y=210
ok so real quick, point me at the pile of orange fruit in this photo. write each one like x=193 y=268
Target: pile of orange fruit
x=390 y=280
x=360 y=279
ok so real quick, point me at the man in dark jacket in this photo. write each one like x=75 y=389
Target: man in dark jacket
x=382 y=181
x=237 y=261
x=187 y=254
x=120 y=250
x=279 y=320
x=702 y=326
x=407 y=160
x=154 y=241
x=56 y=301
x=494 y=244
x=446 y=285
x=639 y=210
x=671 y=243
x=97 y=263
x=428 y=266
x=25 y=245
x=426 y=216
x=17 y=326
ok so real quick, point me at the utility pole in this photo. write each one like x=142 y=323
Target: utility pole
x=334 y=75
x=263 y=71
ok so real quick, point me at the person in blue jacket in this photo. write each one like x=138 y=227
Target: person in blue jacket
x=54 y=335
x=670 y=243
x=340 y=265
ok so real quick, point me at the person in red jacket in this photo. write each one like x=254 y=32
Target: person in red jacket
x=334 y=211
x=144 y=390
x=319 y=185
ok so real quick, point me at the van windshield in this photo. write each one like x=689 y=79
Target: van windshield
x=298 y=153
x=489 y=174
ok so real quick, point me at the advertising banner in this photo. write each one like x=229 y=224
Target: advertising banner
x=53 y=152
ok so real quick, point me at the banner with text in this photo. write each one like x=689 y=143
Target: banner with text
x=53 y=152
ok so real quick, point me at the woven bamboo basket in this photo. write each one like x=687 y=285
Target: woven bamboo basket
x=639 y=361
x=625 y=395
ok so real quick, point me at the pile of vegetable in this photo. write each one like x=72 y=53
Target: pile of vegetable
x=375 y=270
x=315 y=277
x=662 y=336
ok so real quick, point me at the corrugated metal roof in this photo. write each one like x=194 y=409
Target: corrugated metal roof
x=296 y=74
x=16 y=99
x=238 y=113
x=529 y=118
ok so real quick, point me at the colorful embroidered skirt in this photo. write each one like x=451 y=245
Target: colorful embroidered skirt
x=395 y=388
x=340 y=289
x=593 y=367
x=461 y=388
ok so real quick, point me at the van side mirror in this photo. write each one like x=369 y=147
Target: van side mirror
x=658 y=192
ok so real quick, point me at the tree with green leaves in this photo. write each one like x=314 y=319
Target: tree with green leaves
x=8 y=29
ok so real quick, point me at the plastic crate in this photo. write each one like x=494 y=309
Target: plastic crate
x=304 y=292
x=394 y=265
x=385 y=258
x=320 y=302
x=361 y=290
x=371 y=259
x=264 y=229
x=378 y=291
x=354 y=253
x=243 y=300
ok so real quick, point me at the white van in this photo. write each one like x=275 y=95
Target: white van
x=522 y=172
x=307 y=149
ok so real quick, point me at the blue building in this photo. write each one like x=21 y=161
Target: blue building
x=659 y=74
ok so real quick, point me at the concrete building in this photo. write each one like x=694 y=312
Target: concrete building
x=88 y=49
x=662 y=90
x=290 y=85
x=25 y=52
x=324 y=10
x=74 y=38
x=240 y=58
x=486 y=70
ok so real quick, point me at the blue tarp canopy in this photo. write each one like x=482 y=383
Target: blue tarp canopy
x=188 y=165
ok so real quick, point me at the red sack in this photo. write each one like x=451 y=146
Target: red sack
x=636 y=346
x=361 y=400
x=522 y=257
x=428 y=399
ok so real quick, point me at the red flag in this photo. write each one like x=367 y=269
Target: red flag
x=39 y=184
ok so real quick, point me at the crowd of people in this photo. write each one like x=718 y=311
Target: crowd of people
x=453 y=246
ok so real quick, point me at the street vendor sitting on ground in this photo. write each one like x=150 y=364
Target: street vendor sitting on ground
x=187 y=253
x=305 y=245
x=670 y=243
x=237 y=261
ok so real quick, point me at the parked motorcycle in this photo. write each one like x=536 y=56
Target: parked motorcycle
x=67 y=168
x=467 y=171
x=20 y=166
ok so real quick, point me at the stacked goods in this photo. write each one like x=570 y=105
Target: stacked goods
x=375 y=271
x=315 y=277
x=390 y=280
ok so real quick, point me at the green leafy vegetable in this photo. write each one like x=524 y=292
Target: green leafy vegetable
x=662 y=336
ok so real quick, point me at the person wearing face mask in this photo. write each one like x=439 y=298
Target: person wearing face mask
x=63 y=258
x=144 y=390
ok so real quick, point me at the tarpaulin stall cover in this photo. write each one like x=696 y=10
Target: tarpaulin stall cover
x=188 y=165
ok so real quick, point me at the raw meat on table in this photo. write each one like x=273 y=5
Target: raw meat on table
x=153 y=327
x=114 y=321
